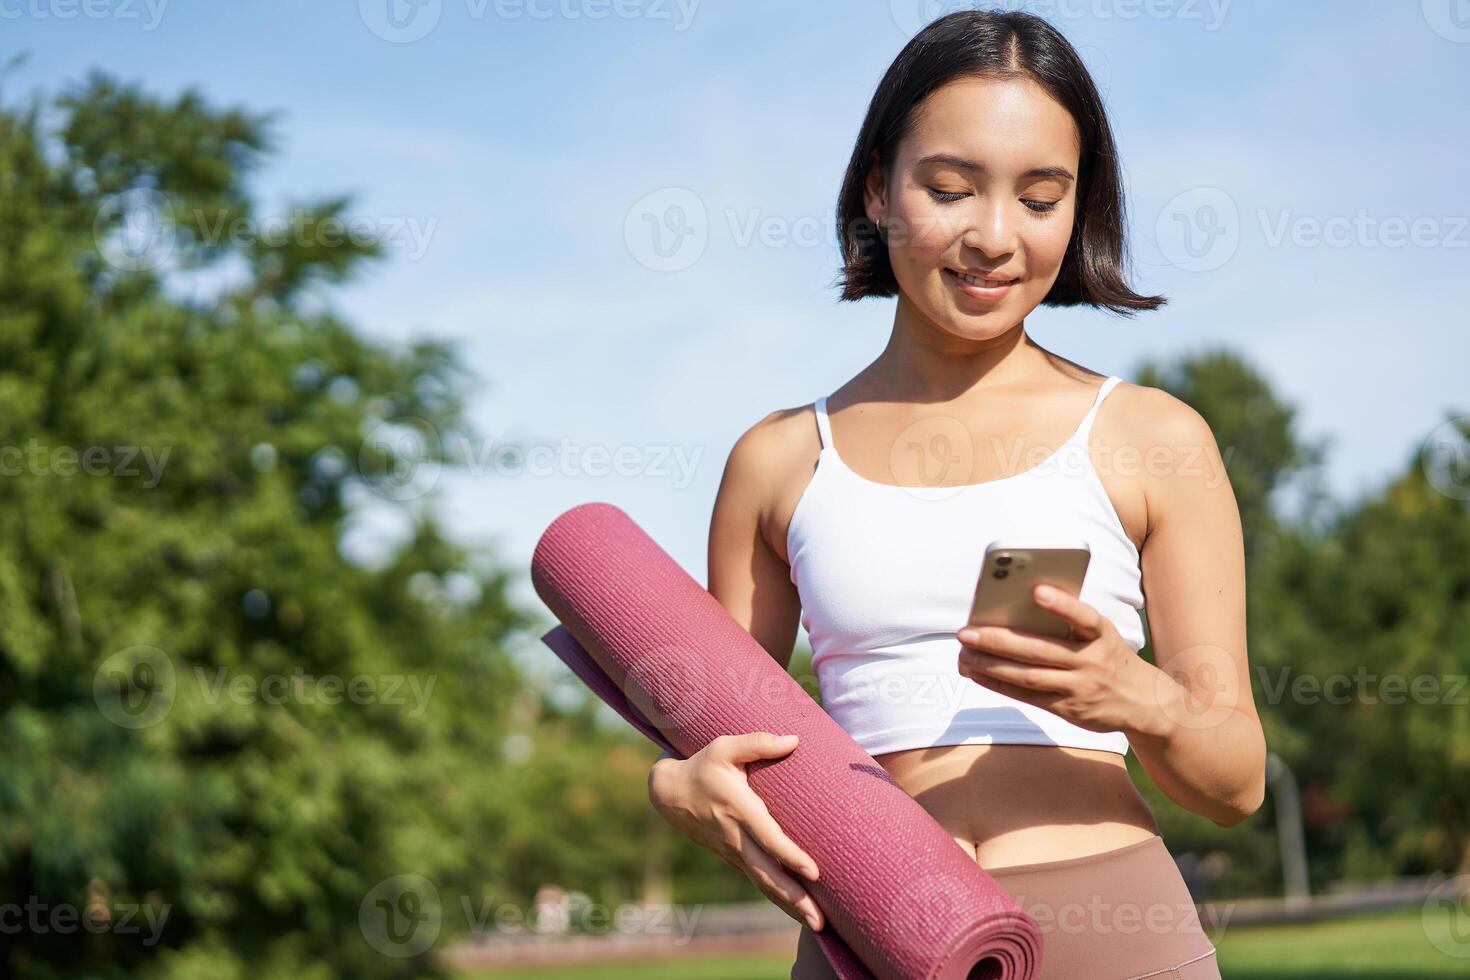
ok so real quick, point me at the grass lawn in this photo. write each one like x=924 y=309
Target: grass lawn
x=1377 y=947
x=750 y=968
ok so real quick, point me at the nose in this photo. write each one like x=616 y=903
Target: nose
x=992 y=228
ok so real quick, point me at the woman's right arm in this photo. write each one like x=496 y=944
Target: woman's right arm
x=707 y=797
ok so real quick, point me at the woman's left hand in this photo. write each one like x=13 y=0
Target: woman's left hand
x=1093 y=679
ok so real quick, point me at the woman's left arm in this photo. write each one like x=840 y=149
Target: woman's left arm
x=1190 y=717
x=1204 y=745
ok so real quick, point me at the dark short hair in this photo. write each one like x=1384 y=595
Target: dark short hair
x=995 y=44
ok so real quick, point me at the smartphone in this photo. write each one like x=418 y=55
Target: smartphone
x=1010 y=572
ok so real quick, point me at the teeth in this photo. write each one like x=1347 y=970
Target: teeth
x=987 y=283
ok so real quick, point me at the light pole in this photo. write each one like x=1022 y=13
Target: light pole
x=1289 y=830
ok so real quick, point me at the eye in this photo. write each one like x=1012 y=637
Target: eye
x=949 y=197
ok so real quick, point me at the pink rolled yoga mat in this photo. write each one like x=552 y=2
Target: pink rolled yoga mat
x=901 y=900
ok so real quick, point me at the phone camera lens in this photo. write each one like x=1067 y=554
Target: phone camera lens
x=1003 y=560
x=1001 y=573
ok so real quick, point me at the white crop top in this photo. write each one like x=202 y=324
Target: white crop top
x=887 y=573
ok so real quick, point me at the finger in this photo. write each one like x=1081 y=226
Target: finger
x=772 y=879
x=1042 y=699
x=1085 y=620
x=1031 y=648
x=758 y=745
x=811 y=912
x=1032 y=678
x=773 y=840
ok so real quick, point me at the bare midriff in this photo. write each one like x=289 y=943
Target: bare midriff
x=1020 y=804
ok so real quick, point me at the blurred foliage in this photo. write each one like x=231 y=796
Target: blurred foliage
x=174 y=615
x=1358 y=619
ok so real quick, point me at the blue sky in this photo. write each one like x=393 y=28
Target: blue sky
x=515 y=151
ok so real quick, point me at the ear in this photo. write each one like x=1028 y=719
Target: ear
x=875 y=190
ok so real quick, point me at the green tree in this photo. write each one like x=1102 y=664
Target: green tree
x=180 y=631
x=1365 y=667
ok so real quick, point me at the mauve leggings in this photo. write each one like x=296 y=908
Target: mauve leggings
x=1124 y=914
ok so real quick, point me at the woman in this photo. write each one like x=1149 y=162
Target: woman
x=984 y=183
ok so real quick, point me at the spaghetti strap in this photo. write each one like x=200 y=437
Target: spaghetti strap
x=824 y=428
x=1102 y=392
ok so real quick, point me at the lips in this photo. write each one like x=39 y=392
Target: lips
x=978 y=293
x=985 y=279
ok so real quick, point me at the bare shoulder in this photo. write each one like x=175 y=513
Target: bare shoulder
x=764 y=449
x=1151 y=418
x=1165 y=448
x=768 y=467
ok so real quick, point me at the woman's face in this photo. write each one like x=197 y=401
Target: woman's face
x=984 y=184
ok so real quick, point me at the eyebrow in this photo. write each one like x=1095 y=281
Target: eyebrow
x=1061 y=173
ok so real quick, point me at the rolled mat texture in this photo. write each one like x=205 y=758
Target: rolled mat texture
x=900 y=899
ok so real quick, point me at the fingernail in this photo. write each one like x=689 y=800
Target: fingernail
x=1044 y=593
x=811 y=920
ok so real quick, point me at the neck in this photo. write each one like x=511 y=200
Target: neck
x=924 y=362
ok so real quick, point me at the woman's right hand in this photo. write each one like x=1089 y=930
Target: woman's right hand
x=708 y=799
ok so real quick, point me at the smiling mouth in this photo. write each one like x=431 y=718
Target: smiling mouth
x=979 y=281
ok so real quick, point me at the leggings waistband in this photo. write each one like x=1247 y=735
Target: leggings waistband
x=1114 y=854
